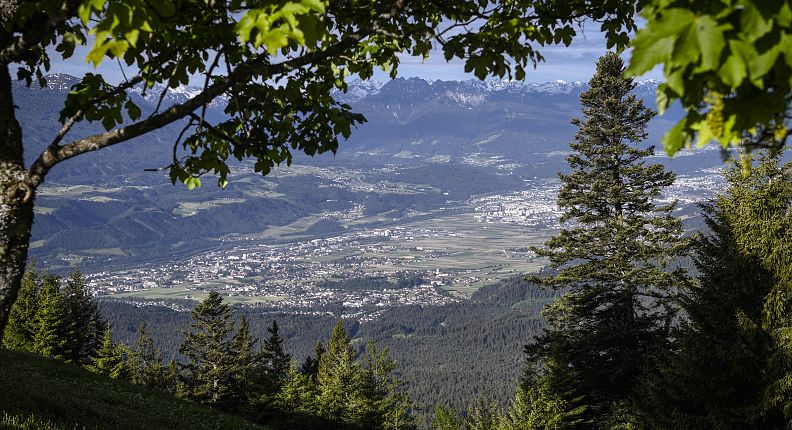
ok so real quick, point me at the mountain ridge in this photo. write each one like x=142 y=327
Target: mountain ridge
x=468 y=91
x=359 y=89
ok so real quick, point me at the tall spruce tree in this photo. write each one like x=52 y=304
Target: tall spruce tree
x=275 y=360
x=84 y=319
x=145 y=362
x=337 y=377
x=53 y=328
x=111 y=359
x=208 y=375
x=379 y=403
x=246 y=388
x=60 y=321
x=764 y=230
x=718 y=371
x=21 y=326
x=612 y=255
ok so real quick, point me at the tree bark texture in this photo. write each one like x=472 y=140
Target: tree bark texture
x=16 y=202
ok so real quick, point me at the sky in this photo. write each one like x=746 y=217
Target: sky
x=573 y=63
x=567 y=63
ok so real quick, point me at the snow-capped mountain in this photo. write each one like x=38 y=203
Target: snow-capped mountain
x=471 y=92
x=406 y=117
x=176 y=95
x=61 y=81
x=358 y=89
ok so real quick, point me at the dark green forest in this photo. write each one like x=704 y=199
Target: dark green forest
x=423 y=340
x=616 y=332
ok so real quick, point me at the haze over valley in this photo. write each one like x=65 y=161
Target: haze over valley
x=448 y=183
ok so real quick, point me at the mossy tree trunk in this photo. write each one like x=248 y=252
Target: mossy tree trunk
x=16 y=202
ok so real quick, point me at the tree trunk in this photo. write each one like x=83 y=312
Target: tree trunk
x=16 y=202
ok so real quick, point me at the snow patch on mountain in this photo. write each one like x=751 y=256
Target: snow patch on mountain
x=470 y=92
x=358 y=89
x=61 y=81
x=176 y=95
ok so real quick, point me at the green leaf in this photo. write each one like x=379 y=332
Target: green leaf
x=734 y=70
x=646 y=55
x=752 y=24
x=703 y=133
x=654 y=43
x=192 y=183
x=675 y=81
x=662 y=99
x=762 y=63
x=710 y=40
x=132 y=110
x=675 y=139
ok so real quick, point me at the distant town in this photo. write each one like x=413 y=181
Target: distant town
x=294 y=275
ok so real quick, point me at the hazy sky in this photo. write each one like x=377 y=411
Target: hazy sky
x=573 y=63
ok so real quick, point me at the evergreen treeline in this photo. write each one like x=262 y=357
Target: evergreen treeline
x=55 y=318
x=723 y=363
x=222 y=364
x=425 y=341
x=635 y=342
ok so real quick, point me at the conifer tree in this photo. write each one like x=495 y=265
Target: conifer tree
x=145 y=362
x=310 y=365
x=446 y=419
x=84 y=319
x=172 y=380
x=208 y=375
x=111 y=359
x=482 y=416
x=536 y=406
x=269 y=372
x=246 y=388
x=299 y=394
x=337 y=378
x=53 y=330
x=378 y=403
x=275 y=360
x=763 y=229
x=720 y=367
x=612 y=255
x=21 y=326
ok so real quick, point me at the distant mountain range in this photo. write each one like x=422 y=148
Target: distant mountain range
x=471 y=92
x=449 y=140
x=407 y=119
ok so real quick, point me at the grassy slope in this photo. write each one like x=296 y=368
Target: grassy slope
x=37 y=392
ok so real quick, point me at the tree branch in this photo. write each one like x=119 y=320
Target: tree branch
x=77 y=115
x=54 y=155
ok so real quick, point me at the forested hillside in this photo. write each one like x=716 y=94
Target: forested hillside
x=447 y=355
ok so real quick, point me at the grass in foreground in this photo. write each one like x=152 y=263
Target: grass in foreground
x=41 y=393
